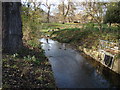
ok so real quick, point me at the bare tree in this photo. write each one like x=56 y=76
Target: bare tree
x=48 y=6
x=71 y=13
x=95 y=10
x=63 y=10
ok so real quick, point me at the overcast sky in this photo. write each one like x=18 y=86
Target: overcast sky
x=56 y=2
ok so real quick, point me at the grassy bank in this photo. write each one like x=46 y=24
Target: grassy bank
x=87 y=40
x=87 y=37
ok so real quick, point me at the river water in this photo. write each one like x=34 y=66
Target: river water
x=71 y=70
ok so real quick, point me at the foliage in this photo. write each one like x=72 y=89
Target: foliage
x=20 y=70
x=113 y=13
x=31 y=19
x=32 y=59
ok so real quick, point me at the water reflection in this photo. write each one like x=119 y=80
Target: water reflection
x=71 y=70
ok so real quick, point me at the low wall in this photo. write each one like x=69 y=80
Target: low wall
x=100 y=56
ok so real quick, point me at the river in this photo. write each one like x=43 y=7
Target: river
x=71 y=70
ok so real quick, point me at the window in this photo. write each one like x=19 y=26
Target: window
x=108 y=60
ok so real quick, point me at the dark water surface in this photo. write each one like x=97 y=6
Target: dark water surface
x=71 y=70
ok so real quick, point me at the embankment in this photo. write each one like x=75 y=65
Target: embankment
x=101 y=46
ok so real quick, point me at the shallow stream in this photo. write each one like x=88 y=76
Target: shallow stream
x=71 y=70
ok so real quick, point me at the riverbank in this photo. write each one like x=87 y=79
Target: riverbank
x=28 y=68
x=87 y=40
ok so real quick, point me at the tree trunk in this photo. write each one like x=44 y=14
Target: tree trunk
x=11 y=27
x=64 y=18
x=48 y=16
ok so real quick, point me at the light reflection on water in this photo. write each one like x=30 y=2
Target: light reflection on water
x=71 y=70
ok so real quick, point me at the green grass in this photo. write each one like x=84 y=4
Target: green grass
x=48 y=26
x=88 y=36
